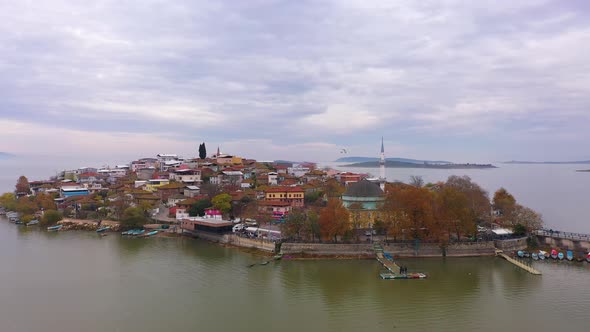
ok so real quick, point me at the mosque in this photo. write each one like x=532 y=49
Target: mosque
x=364 y=197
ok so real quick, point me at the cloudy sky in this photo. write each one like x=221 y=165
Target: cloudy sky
x=455 y=80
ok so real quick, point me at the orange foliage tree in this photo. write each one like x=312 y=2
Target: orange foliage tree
x=334 y=220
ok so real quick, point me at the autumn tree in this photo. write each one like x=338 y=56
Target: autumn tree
x=503 y=202
x=453 y=214
x=222 y=202
x=8 y=201
x=392 y=213
x=529 y=219
x=22 y=186
x=417 y=206
x=332 y=188
x=334 y=220
x=477 y=198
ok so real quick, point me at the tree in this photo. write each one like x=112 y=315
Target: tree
x=334 y=220
x=22 y=185
x=133 y=217
x=417 y=207
x=477 y=198
x=453 y=214
x=529 y=219
x=503 y=202
x=198 y=208
x=202 y=151
x=294 y=225
x=416 y=181
x=8 y=201
x=51 y=217
x=222 y=202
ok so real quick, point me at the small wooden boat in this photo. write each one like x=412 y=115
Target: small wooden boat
x=560 y=256
x=33 y=222
x=569 y=255
x=553 y=253
x=151 y=233
x=520 y=253
x=138 y=232
x=588 y=258
x=535 y=256
x=103 y=229
x=542 y=254
x=54 y=228
x=527 y=254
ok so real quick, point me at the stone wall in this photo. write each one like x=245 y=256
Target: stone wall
x=512 y=244
x=397 y=249
x=327 y=249
x=235 y=240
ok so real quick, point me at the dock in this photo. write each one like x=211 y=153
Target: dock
x=518 y=263
x=393 y=268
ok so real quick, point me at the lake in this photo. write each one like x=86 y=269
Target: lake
x=77 y=281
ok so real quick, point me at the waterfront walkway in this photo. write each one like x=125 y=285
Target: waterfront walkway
x=564 y=235
x=393 y=268
x=518 y=263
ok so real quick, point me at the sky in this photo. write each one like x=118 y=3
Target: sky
x=465 y=81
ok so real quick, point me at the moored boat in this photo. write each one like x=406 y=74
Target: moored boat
x=542 y=254
x=54 y=228
x=535 y=256
x=520 y=253
x=569 y=255
x=33 y=222
x=103 y=229
x=553 y=253
x=560 y=255
x=151 y=233
x=588 y=258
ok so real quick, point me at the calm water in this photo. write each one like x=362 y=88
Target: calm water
x=75 y=281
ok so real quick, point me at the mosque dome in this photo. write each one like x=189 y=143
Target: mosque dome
x=363 y=188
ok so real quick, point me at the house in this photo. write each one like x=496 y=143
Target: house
x=143 y=163
x=226 y=160
x=298 y=171
x=293 y=195
x=175 y=199
x=170 y=189
x=69 y=191
x=231 y=177
x=186 y=175
x=277 y=209
x=145 y=173
x=191 y=191
x=346 y=177
x=315 y=175
x=273 y=178
x=247 y=184
x=89 y=177
x=153 y=184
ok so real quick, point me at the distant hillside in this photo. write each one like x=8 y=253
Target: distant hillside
x=399 y=164
x=402 y=160
x=5 y=155
x=548 y=162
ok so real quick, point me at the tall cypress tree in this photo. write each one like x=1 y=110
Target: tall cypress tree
x=202 y=151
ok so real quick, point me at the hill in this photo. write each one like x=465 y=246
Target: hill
x=5 y=155
x=548 y=162
x=402 y=160
x=399 y=164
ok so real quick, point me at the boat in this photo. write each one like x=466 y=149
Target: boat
x=560 y=256
x=535 y=256
x=151 y=233
x=520 y=253
x=527 y=254
x=569 y=255
x=103 y=229
x=542 y=254
x=138 y=232
x=553 y=253
x=54 y=228
x=33 y=222
x=588 y=258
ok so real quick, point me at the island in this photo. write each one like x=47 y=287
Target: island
x=399 y=164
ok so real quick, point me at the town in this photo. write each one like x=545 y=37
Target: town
x=264 y=204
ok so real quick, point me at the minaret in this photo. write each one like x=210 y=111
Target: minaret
x=382 y=178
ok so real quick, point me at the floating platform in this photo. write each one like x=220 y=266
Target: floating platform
x=390 y=276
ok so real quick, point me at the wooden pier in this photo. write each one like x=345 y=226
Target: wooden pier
x=393 y=268
x=518 y=263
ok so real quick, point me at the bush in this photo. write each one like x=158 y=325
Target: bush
x=51 y=217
